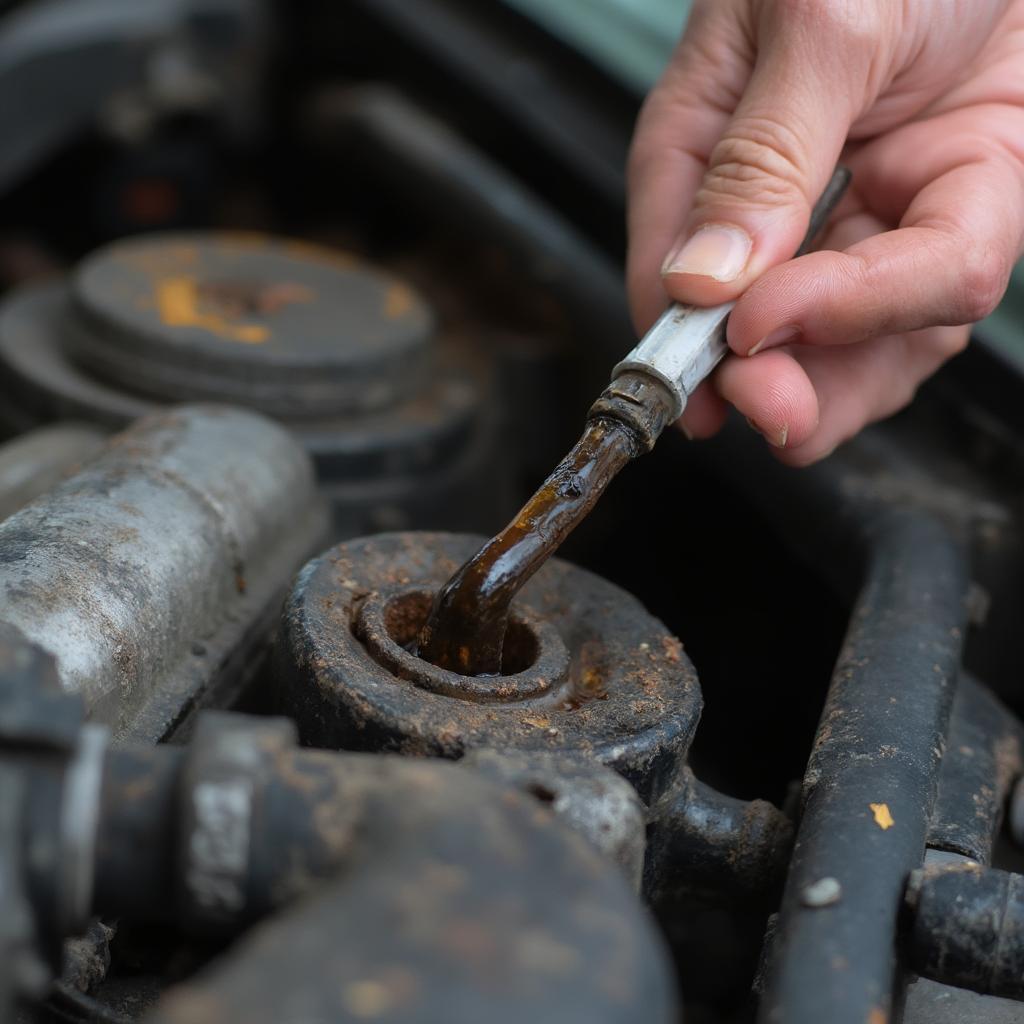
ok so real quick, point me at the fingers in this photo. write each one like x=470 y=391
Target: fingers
x=705 y=413
x=775 y=394
x=948 y=263
x=811 y=80
x=681 y=120
x=806 y=401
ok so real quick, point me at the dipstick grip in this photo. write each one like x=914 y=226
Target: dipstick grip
x=688 y=342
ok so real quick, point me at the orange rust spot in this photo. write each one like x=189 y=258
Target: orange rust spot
x=177 y=302
x=672 y=648
x=878 y=1016
x=883 y=817
x=398 y=301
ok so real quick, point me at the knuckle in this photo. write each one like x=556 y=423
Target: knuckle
x=757 y=161
x=852 y=23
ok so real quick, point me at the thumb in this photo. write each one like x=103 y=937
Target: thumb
x=772 y=162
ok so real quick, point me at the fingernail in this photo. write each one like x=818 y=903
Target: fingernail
x=779 y=337
x=718 y=251
x=777 y=440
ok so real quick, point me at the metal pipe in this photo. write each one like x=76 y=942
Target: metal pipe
x=983 y=758
x=871 y=782
x=34 y=462
x=968 y=928
x=153 y=575
x=704 y=845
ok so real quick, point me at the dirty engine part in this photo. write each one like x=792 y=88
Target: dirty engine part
x=154 y=575
x=588 y=670
x=396 y=418
x=501 y=909
x=33 y=463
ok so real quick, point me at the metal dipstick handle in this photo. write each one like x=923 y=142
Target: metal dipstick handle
x=688 y=342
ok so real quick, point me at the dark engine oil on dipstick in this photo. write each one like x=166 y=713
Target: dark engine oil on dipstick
x=466 y=626
x=466 y=629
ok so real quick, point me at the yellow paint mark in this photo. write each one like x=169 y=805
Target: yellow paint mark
x=883 y=818
x=398 y=301
x=177 y=301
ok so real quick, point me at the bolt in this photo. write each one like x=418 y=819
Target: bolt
x=822 y=893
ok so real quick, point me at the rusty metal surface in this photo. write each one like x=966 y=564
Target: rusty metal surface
x=34 y=462
x=152 y=575
x=287 y=328
x=588 y=797
x=425 y=459
x=706 y=846
x=967 y=927
x=468 y=896
x=457 y=900
x=983 y=757
x=871 y=780
x=631 y=698
x=928 y=1002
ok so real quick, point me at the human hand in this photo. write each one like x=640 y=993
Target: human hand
x=924 y=101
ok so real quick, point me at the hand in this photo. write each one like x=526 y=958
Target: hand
x=924 y=101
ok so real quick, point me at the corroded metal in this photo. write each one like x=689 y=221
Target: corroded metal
x=288 y=328
x=872 y=779
x=395 y=413
x=34 y=462
x=704 y=845
x=967 y=927
x=151 y=576
x=629 y=699
x=472 y=894
x=443 y=896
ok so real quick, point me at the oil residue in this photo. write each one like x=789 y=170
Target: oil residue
x=465 y=630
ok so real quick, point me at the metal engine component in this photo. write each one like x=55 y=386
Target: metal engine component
x=968 y=927
x=32 y=463
x=458 y=900
x=45 y=851
x=287 y=329
x=396 y=418
x=588 y=797
x=872 y=779
x=594 y=674
x=153 y=576
x=704 y=845
x=238 y=823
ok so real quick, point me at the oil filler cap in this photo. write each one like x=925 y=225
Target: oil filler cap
x=281 y=326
